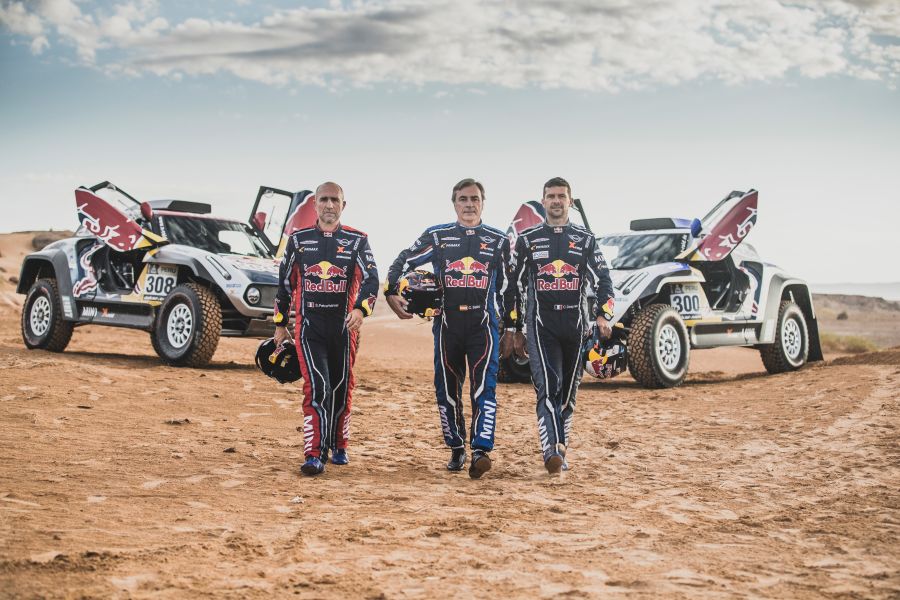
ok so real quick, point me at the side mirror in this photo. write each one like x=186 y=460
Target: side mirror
x=146 y=211
x=259 y=220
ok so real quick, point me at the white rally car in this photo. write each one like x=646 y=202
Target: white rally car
x=689 y=284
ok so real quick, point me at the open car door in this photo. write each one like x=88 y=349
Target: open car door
x=277 y=214
x=109 y=224
x=724 y=227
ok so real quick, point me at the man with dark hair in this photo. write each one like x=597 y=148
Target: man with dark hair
x=329 y=275
x=470 y=260
x=553 y=264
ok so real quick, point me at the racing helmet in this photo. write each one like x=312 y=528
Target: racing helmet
x=278 y=361
x=422 y=292
x=604 y=359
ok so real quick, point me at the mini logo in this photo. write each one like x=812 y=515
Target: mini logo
x=344 y=242
x=575 y=238
x=486 y=239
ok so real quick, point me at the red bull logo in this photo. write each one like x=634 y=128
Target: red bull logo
x=560 y=271
x=325 y=271
x=468 y=267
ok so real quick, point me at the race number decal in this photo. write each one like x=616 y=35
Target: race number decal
x=160 y=281
x=686 y=300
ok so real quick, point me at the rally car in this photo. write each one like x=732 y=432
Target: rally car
x=165 y=266
x=683 y=284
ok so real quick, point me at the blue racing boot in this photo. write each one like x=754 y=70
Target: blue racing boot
x=312 y=466
x=339 y=457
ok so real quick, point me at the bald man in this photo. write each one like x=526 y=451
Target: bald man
x=329 y=275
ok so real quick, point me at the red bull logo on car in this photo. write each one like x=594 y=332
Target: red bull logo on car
x=560 y=271
x=470 y=269
x=325 y=271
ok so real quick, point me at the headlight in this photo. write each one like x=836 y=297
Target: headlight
x=253 y=295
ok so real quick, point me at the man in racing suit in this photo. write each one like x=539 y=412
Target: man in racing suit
x=470 y=260
x=553 y=264
x=329 y=275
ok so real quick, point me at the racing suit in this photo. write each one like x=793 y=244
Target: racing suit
x=553 y=265
x=326 y=274
x=471 y=264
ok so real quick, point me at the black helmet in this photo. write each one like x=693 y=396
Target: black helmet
x=278 y=361
x=422 y=293
x=604 y=359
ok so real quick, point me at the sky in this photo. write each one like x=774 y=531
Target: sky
x=648 y=108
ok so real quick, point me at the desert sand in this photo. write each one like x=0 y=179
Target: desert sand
x=126 y=478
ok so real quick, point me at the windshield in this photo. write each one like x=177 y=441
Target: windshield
x=213 y=235
x=638 y=251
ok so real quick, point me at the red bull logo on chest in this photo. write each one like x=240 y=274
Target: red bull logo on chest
x=474 y=273
x=325 y=271
x=564 y=277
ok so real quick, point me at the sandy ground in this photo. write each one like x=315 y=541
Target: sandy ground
x=125 y=478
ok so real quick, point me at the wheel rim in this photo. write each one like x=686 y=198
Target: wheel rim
x=180 y=325
x=792 y=340
x=668 y=347
x=40 y=316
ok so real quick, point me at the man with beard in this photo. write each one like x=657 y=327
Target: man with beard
x=329 y=275
x=553 y=264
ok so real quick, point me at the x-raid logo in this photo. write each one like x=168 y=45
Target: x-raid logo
x=470 y=269
x=563 y=277
x=325 y=271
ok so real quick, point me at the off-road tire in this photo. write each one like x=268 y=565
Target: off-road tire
x=45 y=294
x=644 y=361
x=513 y=371
x=196 y=347
x=791 y=346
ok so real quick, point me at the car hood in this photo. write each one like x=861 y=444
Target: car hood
x=632 y=284
x=257 y=270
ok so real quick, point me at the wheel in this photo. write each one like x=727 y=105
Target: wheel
x=514 y=370
x=187 y=327
x=659 y=348
x=791 y=347
x=43 y=325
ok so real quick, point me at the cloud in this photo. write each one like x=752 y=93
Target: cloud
x=593 y=45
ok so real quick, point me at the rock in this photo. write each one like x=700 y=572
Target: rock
x=230 y=450
x=43 y=238
x=13 y=279
x=184 y=421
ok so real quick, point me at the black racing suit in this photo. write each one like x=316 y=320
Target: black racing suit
x=471 y=264
x=326 y=275
x=553 y=266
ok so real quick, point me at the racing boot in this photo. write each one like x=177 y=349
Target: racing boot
x=481 y=464
x=457 y=460
x=562 y=451
x=312 y=466
x=339 y=457
x=555 y=460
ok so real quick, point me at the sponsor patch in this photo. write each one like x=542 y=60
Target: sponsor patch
x=487 y=239
x=541 y=254
x=344 y=242
x=67 y=306
x=575 y=238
